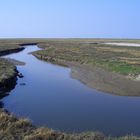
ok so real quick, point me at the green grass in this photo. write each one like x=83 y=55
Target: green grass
x=119 y=67
x=124 y=68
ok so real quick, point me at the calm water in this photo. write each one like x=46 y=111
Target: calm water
x=52 y=98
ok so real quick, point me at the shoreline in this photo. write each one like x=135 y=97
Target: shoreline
x=12 y=127
x=9 y=51
x=22 y=128
x=98 y=78
x=9 y=83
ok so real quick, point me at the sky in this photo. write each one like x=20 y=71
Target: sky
x=70 y=19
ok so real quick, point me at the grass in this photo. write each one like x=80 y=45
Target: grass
x=12 y=128
x=6 y=70
x=119 y=59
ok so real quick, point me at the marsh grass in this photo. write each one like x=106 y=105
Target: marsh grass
x=7 y=70
x=122 y=59
x=12 y=128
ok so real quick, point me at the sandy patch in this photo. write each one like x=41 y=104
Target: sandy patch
x=124 y=44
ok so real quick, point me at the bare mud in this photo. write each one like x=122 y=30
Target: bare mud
x=105 y=81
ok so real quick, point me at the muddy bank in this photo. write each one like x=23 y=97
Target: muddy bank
x=28 y=44
x=15 y=62
x=8 y=73
x=9 y=51
x=6 y=85
x=105 y=81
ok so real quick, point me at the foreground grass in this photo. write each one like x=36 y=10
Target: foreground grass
x=12 y=128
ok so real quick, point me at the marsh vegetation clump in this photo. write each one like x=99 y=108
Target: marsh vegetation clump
x=8 y=77
x=12 y=128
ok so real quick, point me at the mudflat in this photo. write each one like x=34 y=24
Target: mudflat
x=106 y=81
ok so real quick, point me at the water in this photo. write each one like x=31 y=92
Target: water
x=52 y=98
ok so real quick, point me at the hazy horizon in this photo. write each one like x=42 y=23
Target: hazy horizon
x=70 y=19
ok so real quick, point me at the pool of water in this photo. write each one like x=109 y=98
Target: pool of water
x=52 y=98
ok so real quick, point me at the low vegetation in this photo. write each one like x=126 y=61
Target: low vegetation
x=12 y=128
x=7 y=70
x=125 y=61
x=119 y=59
x=8 y=77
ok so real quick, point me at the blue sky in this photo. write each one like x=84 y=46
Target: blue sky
x=70 y=19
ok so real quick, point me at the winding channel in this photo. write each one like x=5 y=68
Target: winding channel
x=50 y=97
